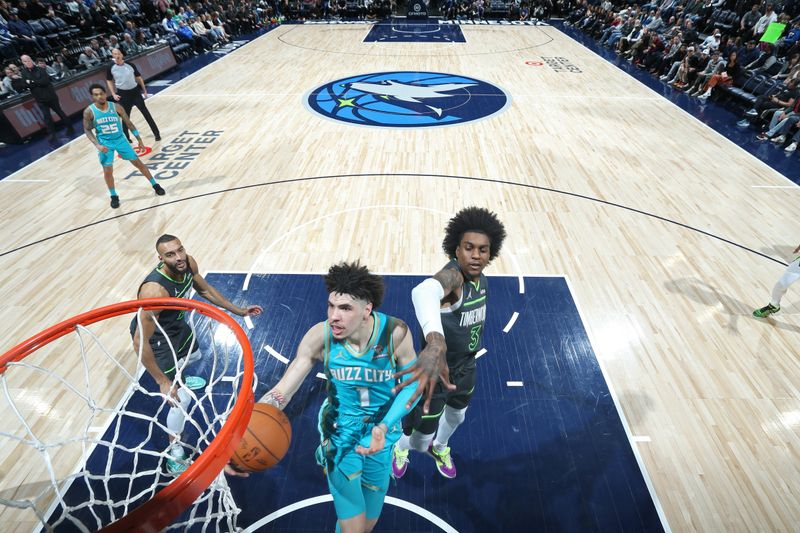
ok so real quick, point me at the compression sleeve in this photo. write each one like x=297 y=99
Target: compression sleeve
x=427 y=298
x=398 y=409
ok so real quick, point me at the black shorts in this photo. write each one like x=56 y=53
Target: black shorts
x=181 y=343
x=464 y=379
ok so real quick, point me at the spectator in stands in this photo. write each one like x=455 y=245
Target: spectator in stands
x=102 y=52
x=656 y=23
x=749 y=21
x=41 y=63
x=61 y=68
x=218 y=30
x=711 y=42
x=7 y=40
x=749 y=53
x=790 y=39
x=790 y=69
x=23 y=31
x=200 y=30
x=36 y=80
x=129 y=46
x=766 y=105
x=731 y=71
x=89 y=58
x=795 y=140
x=714 y=66
x=782 y=121
x=11 y=72
x=690 y=68
x=689 y=33
x=631 y=38
x=768 y=18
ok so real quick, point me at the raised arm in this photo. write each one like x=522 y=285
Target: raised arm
x=309 y=352
x=207 y=291
x=431 y=364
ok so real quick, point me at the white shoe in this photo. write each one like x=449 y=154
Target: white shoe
x=704 y=96
x=791 y=148
x=779 y=139
x=663 y=78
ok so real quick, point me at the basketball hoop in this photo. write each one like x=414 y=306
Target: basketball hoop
x=164 y=505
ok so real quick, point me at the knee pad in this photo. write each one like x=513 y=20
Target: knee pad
x=184 y=397
x=453 y=416
x=420 y=441
x=192 y=357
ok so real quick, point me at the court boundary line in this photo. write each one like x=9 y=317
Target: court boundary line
x=401 y=175
x=491 y=52
x=623 y=419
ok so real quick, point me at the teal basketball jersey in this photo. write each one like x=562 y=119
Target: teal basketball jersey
x=107 y=124
x=359 y=389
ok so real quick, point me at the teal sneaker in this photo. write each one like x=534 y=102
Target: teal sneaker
x=444 y=463
x=176 y=465
x=767 y=310
x=194 y=382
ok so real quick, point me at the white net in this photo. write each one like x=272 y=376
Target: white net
x=84 y=438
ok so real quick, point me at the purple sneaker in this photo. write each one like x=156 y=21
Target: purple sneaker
x=444 y=463
x=399 y=462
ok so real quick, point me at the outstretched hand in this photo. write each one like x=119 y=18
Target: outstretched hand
x=377 y=442
x=252 y=310
x=429 y=368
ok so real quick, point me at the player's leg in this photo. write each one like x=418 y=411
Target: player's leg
x=344 y=482
x=790 y=275
x=452 y=417
x=418 y=432
x=374 y=484
x=107 y=162
x=126 y=152
x=140 y=105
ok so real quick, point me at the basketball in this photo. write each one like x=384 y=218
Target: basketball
x=265 y=441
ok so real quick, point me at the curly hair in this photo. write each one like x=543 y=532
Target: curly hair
x=475 y=219
x=355 y=280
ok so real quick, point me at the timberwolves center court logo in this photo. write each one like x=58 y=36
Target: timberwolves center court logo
x=407 y=99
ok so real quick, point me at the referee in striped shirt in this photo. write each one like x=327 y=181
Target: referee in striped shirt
x=126 y=86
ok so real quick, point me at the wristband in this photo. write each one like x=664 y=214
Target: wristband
x=135 y=133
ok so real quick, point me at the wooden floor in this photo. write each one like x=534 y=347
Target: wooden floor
x=653 y=217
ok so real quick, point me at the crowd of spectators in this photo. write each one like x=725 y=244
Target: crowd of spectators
x=70 y=36
x=710 y=49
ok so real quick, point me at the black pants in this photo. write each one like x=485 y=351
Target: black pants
x=45 y=107
x=128 y=98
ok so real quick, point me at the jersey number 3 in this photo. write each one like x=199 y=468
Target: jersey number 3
x=474 y=337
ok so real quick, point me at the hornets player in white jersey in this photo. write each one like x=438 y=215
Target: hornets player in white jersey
x=451 y=309
x=359 y=422
x=102 y=123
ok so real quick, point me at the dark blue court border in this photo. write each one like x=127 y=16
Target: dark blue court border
x=402 y=175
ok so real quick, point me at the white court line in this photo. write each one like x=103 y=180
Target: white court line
x=514 y=383
x=511 y=322
x=481 y=352
x=329 y=215
x=536 y=96
x=775 y=187
x=248 y=322
x=408 y=506
x=621 y=414
x=285 y=361
x=270 y=350
x=641 y=438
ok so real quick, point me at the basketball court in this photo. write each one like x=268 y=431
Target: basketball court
x=625 y=384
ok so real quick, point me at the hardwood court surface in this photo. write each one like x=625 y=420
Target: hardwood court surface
x=664 y=229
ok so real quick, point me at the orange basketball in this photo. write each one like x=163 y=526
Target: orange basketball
x=265 y=441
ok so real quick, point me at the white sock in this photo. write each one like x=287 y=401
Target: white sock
x=404 y=443
x=176 y=419
x=448 y=422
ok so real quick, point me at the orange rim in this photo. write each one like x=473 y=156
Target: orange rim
x=160 y=511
